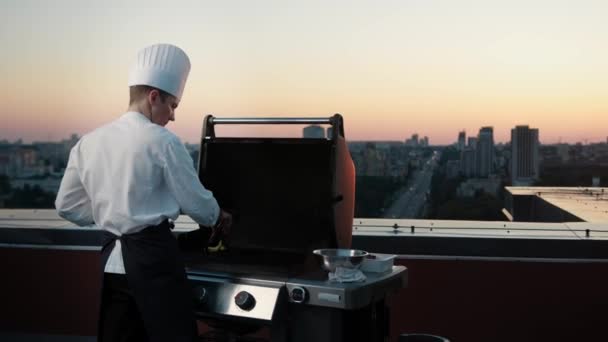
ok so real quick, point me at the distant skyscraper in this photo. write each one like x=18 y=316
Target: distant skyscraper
x=485 y=152
x=472 y=142
x=468 y=163
x=462 y=137
x=415 y=139
x=424 y=142
x=468 y=158
x=524 y=155
x=313 y=131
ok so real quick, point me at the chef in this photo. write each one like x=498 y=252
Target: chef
x=132 y=177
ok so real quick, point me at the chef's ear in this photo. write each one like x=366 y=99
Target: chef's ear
x=153 y=95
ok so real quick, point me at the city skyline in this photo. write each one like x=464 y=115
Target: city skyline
x=298 y=131
x=392 y=68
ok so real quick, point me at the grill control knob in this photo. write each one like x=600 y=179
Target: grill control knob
x=244 y=300
x=200 y=295
x=298 y=295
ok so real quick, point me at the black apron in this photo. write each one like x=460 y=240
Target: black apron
x=156 y=275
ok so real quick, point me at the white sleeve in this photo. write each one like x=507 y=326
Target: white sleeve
x=73 y=202
x=194 y=200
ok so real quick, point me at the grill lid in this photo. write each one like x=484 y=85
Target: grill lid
x=288 y=195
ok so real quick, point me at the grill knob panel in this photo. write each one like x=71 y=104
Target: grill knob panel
x=244 y=300
x=298 y=295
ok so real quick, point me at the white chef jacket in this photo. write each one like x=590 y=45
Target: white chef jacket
x=128 y=175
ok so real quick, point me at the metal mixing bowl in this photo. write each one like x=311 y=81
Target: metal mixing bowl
x=348 y=258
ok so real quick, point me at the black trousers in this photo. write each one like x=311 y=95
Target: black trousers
x=120 y=319
x=154 y=293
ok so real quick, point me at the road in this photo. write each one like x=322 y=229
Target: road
x=410 y=200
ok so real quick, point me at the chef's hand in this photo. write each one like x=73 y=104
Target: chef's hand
x=225 y=222
x=221 y=229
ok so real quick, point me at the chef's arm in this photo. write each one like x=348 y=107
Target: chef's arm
x=194 y=200
x=73 y=202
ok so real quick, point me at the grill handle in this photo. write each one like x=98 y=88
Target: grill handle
x=269 y=121
x=335 y=121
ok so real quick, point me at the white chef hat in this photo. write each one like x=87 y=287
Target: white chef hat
x=161 y=66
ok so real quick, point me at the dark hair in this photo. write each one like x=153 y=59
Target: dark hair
x=138 y=91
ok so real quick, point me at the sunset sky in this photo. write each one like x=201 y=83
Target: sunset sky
x=392 y=68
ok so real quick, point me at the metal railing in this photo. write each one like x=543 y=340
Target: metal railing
x=413 y=226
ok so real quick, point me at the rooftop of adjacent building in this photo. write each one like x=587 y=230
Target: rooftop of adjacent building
x=589 y=204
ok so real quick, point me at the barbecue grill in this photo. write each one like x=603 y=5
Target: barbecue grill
x=288 y=197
